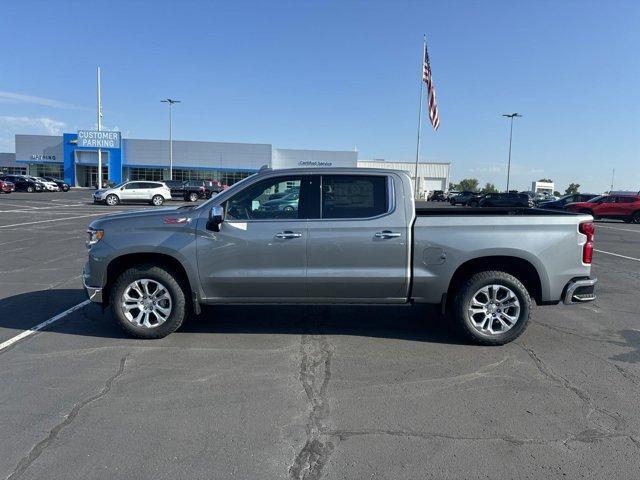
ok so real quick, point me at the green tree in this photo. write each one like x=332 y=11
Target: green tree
x=489 y=188
x=470 y=184
x=557 y=193
x=548 y=180
x=572 y=188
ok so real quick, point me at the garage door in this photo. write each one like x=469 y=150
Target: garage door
x=432 y=184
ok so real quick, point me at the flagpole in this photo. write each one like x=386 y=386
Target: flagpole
x=424 y=51
x=99 y=128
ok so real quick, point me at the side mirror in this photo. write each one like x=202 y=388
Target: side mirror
x=216 y=217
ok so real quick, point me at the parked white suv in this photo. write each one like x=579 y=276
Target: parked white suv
x=154 y=193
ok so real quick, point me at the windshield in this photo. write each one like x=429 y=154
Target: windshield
x=596 y=199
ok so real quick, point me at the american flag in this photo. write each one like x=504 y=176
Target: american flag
x=431 y=90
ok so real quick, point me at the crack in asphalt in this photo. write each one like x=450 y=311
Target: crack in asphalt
x=41 y=446
x=315 y=373
x=589 y=407
x=587 y=436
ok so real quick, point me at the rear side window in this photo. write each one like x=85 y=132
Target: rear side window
x=354 y=196
x=627 y=199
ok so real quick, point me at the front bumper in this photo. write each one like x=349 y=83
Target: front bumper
x=94 y=293
x=580 y=290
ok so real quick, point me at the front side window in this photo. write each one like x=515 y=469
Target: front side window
x=131 y=186
x=354 y=196
x=273 y=198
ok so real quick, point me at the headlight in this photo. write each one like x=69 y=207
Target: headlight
x=94 y=236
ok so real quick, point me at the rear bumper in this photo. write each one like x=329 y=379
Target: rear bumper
x=580 y=290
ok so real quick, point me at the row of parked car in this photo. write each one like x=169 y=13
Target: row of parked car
x=156 y=193
x=28 y=183
x=621 y=206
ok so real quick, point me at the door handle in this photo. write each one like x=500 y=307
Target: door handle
x=387 y=234
x=288 y=234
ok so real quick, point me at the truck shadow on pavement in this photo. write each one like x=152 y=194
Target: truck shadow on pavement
x=404 y=322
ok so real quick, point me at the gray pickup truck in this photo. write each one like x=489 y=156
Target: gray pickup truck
x=337 y=236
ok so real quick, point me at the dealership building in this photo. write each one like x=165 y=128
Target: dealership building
x=74 y=157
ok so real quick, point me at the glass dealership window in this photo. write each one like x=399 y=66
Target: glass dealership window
x=46 y=170
x=13 y=170
x=135 y=173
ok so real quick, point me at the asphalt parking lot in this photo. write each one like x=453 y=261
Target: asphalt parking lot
x=305 y=392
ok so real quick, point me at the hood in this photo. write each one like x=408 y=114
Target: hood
x=138 y=216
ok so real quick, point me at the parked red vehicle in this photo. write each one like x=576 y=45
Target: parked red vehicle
x=6 y=186
x=622 y=207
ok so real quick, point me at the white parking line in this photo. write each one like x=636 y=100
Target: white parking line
x=32 y=330
x=617 y=255
x=55 y=220
x=621 y=229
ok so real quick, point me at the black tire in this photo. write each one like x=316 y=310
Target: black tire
x=635 y=218
x=65 y=189
x=469 y=289
x=30 y=189
x=473 y=204
x=587 y=212
x=193 y=197
x=112 y=200
x=176 y=291
x=157 y=200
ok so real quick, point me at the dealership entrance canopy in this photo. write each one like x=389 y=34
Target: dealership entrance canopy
x=74 y=157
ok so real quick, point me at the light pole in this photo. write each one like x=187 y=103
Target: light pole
x=511 y=116
x=170 y=101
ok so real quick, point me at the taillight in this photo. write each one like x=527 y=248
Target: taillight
x=588 y=229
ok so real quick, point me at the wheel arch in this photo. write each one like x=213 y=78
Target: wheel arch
x=519 y=267
x=119 y=264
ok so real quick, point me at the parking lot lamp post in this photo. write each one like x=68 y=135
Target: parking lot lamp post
x=511 y=116
x=170 y=101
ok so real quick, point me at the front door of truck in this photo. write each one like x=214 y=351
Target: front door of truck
x=259 y=254
x=357 y=250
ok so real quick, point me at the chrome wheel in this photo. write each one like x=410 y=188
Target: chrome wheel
x=157 y=200
x=146 y=303
x=494 y=309
x=111 y=200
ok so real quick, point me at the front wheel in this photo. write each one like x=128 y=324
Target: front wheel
x=148 y=302
x=157 y=200
x=473 y=204
x=193 y=197
x=635 y=218
x=111 y=200
x=492 y=308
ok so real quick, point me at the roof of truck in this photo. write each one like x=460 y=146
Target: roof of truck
x=325 y=170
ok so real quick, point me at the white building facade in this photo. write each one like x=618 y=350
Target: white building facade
x=431 y=176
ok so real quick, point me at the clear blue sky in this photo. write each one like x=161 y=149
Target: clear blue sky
x=343 y=75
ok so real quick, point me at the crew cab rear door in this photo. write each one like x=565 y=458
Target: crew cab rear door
x=357 y=251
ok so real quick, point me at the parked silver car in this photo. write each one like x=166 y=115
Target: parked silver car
x=155 y=193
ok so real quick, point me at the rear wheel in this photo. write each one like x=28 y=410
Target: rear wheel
x=157 y=200
x=473 y=204
x=148 y=302
x=112 y=200
x=492 y=308
x=635 y=218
